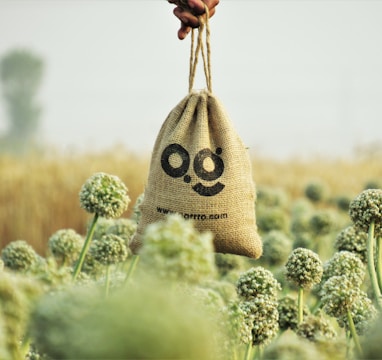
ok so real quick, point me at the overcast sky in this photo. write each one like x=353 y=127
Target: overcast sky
x=296 y=77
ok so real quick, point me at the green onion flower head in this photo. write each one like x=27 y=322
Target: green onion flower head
x=102 y=227
x=150 y=322
x=316 y=328
x=262 y=315
x=271 y=196
x=304 y=240
x=367 y=208
x=288 y=312
x=276 y=247
x=226 y=263
x=338 y=295
x=303 y=268
x=124 y=228
x=19 y=256
x=292 y=347
x=354 y=240
x=226 y=289
x=316 y=191
x=65 y=245
x=255 y=282
x=240 y=328
x=105 y=195
x=322 y=222
x=272 y=218
x=343 y=202
x=345 y=263
x=363 y=312
x=373 y=184
x=110 y=249
x=174 y=250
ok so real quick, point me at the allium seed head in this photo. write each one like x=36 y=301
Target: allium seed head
x=174 y=250
x=276 y=247
x=105 y=195
x=303 y=268
x=65 y=245
x=262 y=315
x=363 y=312
x=354 y=240
x=338 y=295
x=316 y=328
x=288 y=313
x=316 y=191
x=367 y=208
x=256 y=282
x=110 y=249
x=345 y=263
x=19 y=255
x=124 y=228
x=322 y=222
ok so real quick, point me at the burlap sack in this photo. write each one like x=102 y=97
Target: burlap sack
x=201 y=169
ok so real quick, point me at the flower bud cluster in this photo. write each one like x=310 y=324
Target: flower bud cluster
x=316 y=328
x=105 y=195
x=347 y=264
x=316 y=191
x=363 y=312
x=19 y=256
x=174 y=250
x=321 y=222
x=124 y=228
x=303 y=268
x=110 y=249
x=367 y=208
x=276 y=247
x=255 y=282
x=288 y=313
x=257 y=290
x=262 y=315
x=65 y=245
x=353 y=240
x=338 y=295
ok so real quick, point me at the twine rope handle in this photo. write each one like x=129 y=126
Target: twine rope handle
x=205 y=49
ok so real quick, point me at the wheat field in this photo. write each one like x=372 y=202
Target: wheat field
x=39 y=192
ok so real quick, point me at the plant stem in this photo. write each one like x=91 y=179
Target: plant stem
x=259 y=352
x=300 y=304
x=248 y=351
x=85 y=247
x=133 y=265
x=379 y=262
x=371 y=265
x=107 y=281
x=354 y=333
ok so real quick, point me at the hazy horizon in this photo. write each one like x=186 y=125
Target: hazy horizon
x=297 y=78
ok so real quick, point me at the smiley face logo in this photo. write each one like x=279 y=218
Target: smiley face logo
x=208 y=166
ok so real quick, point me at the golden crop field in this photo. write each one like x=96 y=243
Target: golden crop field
x=39 y=192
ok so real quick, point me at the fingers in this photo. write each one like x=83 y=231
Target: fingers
x=183 y=31
x=186 y=17
x=189 y=17
x=197 y=6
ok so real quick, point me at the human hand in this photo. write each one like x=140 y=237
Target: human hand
x=188 y=15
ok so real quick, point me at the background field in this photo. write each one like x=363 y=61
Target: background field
x=39 y=192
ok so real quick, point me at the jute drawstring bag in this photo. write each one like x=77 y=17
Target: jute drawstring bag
x=201 y=169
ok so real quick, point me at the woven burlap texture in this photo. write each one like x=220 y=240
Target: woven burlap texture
x=216 y=191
